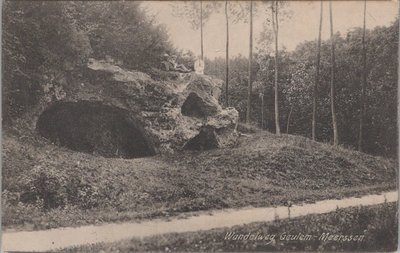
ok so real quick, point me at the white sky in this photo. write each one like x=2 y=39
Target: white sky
x=300 y=26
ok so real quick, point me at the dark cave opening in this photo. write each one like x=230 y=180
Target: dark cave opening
x=192 y=106
x=207 y=139
x=95 y=128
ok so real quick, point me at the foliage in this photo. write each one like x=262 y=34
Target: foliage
x=39 y=43
x=123 y=31
x=296 y=79
x=45 y=41
x=238 y=81
x=193 y=12
x=381 y=89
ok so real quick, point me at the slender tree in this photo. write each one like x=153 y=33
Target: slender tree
x=233 y=13
x=227 y=55
x=250 y=65
x=333 y=88
x=317 y=67
x=364 y=84
x=275 y=24
x=261 y=96
x=201 y=30
x=289 y=116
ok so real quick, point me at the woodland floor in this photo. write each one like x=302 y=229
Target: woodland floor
x=45 y=186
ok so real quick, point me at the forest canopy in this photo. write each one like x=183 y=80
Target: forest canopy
x=297 y=69
x=44 y=40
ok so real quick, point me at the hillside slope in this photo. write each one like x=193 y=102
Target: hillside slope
x=48 y=186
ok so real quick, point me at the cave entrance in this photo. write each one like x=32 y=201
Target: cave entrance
x=205 y=140
x=95 y=128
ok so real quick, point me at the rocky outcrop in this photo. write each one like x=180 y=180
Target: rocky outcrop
x=199 y=106
x=170 y=115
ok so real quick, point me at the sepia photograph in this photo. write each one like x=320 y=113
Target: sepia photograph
x=199 y=126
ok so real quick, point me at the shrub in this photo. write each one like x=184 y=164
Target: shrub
x=56 y=188
x=45 y=184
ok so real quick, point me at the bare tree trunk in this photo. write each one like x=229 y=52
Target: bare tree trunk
x=316 y=84
x=227 y=55
x=262 y=110
x=288 y=120
x=250 y=67
x=275 y=23
x=264 y=124
x=364 y=84
x=201 y=30
x=333 y=88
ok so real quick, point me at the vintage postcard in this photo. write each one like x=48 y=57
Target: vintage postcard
x=199 y=126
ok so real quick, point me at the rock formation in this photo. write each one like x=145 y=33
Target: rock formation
x=114 y=112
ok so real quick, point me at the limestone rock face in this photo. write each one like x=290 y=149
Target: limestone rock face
x=199 y=105
x=203 y=84
x=171 y=115
x=202 y=93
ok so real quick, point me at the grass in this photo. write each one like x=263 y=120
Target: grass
x=378 y=224
x=45 y=186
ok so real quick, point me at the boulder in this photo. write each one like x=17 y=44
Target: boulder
x=199 y=105
x=205 y=84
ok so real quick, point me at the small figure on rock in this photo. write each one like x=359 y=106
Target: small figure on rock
x=169 y=64
x=166 y=64
x=176 y=66
x=199 y=65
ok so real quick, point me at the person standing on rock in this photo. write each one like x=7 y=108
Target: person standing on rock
x=199 y=65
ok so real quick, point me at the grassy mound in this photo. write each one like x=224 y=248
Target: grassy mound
x=377 y=224
x=48 y=186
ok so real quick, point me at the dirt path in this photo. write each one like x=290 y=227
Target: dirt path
x=66 y=237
